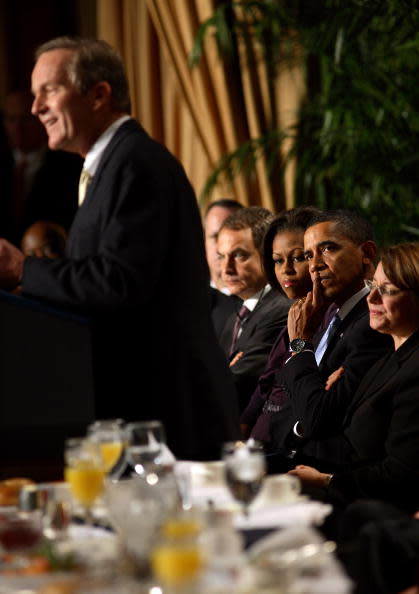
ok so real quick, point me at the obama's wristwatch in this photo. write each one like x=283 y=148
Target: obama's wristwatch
x=298 y=345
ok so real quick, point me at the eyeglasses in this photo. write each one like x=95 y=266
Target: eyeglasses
x=382 y=289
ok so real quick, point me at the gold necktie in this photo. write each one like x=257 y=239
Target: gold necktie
x=85 y=179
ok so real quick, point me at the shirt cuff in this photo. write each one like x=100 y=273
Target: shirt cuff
x=297 y=430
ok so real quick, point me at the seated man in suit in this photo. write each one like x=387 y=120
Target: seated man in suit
x=340 y=250
x=222 y=303
x=215 y=215
x=248 y=335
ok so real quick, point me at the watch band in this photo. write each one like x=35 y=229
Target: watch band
x=300 y=344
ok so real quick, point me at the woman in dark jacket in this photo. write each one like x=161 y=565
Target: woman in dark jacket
x=287 y=271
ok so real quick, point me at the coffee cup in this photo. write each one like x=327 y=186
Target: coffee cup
x=280 y=488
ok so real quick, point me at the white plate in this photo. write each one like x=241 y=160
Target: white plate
x=304 y=513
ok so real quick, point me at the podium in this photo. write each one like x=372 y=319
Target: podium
x=46 y=385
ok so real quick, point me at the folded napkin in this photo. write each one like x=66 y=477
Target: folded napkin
x=307 y=513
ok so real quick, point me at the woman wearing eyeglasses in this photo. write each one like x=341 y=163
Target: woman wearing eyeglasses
x=382 y=424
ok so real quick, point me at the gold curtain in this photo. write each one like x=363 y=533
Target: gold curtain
x=200 y=113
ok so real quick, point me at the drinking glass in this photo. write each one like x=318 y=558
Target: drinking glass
x=177 y=559
x=136 y=509
x=84 y=472
x=245 y=468
x=109 y=434
x=145 y=444
x=20 y=533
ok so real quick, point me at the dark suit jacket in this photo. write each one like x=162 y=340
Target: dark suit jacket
x=222 y=306
x=53 y=195
x=356 y=347
x=260 y=330
x=135 y=263
x=382 y=427
x=379 y=547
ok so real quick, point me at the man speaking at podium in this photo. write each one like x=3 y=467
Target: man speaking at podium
x=135 y=259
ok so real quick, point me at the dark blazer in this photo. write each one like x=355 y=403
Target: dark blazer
x=222 y=306
x=382 y=427
x=356 y=347
x=260 y=330
x=135 y=263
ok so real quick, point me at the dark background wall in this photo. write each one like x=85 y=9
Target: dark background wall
x=24 y=24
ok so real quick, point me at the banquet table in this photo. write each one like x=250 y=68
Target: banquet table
x=285 y=524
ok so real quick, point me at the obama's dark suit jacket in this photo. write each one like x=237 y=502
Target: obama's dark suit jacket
x=135 y=263
x=356 y=347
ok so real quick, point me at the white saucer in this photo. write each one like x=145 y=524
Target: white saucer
x=263 y=501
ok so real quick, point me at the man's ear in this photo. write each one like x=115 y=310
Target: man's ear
x=369 y=251
x=101 y=94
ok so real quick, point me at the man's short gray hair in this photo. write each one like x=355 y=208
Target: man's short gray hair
x=93 y=61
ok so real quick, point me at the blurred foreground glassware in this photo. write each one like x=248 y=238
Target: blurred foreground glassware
x=279 y=560
x=20 y=533
x=109 y=433
x=222 y=547
x=84 y=472
x=245 y=469
x=137 y=507
x=53 y=502
x=177 y=560
x=145 y=445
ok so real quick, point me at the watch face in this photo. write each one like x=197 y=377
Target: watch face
x=297 y=345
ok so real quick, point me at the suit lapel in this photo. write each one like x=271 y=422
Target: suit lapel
x=252 y=319
x=122 y=131
x=384 y=371
x=356 y=312
x=227 y=333
x=385 y=374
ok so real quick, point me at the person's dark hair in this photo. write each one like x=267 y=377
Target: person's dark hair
x=401 y=265
x=254 y=217
x=224 y=203
x=93 y=61
x=295 y=219
x=351 y=224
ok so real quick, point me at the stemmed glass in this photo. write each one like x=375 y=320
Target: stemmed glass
x=84 y=472
x=109 y=434
x=245 y=468
x=145 y=443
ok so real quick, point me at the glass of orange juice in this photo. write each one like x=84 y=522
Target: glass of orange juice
x=176 y=560
x=109 y=434
x=84 y=472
